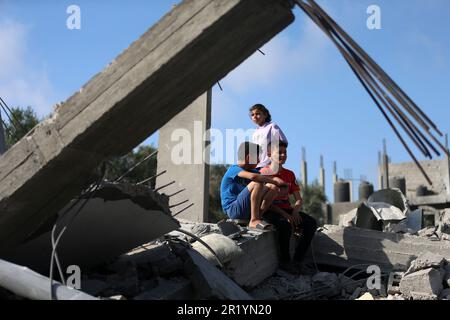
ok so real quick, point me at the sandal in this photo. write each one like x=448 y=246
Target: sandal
x=263 y=226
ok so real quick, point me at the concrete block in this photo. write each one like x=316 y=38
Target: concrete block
x=345 y=247
x=208 y=281
x=158 y=257
x=423 y=284
x=225 y=248
x=338 y=209
x=394 y=282
x=426 y=260
x=258 y=262
x=158 y=76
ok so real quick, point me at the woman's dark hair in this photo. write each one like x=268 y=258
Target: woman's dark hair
x=262 y=108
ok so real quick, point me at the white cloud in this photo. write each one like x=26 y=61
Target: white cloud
x=20 y=84
x=285 y=56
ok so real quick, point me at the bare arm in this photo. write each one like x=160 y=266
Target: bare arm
x=297 y=206
x=298 y=201
x=261 y=178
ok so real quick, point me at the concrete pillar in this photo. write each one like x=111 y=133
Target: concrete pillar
x=385 y=167
x=380 y=171
x=322 y=175
x=189 y=167
x=2 y=136
x=335 y=176
x=304 y=168
x=448 y=165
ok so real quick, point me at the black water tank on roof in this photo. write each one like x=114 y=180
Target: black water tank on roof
x=365 y=190
x=342 y=191
x=421 y=191
x=399 y=183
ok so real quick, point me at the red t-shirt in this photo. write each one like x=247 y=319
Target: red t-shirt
x=287 y=176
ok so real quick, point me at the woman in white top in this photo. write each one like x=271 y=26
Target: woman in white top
x=266 y=131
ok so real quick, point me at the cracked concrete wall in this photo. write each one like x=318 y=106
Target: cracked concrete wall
x=437 y=170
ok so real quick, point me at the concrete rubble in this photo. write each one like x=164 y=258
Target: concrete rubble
x=244 y=266
x=124 y=237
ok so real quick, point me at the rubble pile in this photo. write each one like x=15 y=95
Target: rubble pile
x=227 y=261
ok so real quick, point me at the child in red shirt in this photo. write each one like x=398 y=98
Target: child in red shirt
x=283 y=215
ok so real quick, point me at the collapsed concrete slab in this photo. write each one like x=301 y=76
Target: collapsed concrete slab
x=422 y=285
x=117 y=218
x=426 y=260
x=258 y=261
x=346 y=247
x=209 y=282
x=182 y=56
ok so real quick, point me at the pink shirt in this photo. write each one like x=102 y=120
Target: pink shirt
x=264 y=135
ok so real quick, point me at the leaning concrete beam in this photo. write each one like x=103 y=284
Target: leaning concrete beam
x=31 y=285
x=182 y=56
x=345 y=247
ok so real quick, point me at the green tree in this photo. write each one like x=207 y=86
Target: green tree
x=23 y=120
x=313 y=200
x=216 y=172
x=116 y=167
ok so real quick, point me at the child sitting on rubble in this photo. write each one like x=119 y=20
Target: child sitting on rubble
x=288 y=219
x=244 y=193
x=266 y=132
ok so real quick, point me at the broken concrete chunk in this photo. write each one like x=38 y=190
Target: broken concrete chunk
x=348 y=219
x=444 y=223
x=394 y=282
x=118 y=218
x=393 y=197
x=366 y=296
x=344 y=247
x=426 y=260
x=259 y=261
x=208 y=281
x=225 y=248
x=158 y=257
x=427 y=232
x=397 y=227
x=422 y=285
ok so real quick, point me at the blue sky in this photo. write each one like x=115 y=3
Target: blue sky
x=302 y=79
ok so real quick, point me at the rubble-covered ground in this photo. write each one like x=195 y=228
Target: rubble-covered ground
x=238 y=264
